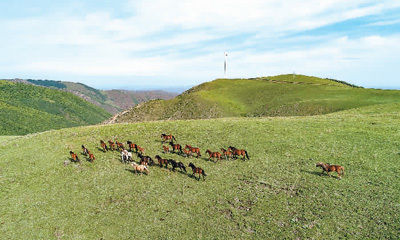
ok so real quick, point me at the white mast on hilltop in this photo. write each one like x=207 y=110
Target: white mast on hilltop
x=225 y=64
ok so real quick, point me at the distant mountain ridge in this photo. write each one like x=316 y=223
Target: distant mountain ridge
x=282 y=95
x=27 y=108
x=113 y=101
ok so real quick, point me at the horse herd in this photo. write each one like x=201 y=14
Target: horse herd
x=172 y=147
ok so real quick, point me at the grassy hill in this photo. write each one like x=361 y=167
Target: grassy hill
x=277 y=194
x=113 y=101
x=28 y=108
x=283 y=95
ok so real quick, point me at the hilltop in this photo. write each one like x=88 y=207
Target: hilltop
x=113 y=101
x=277 y=194
x=29 y=108
x=283 y=95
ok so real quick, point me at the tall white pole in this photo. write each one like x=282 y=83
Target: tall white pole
x=225 y=64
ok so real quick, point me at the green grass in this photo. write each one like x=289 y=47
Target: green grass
x=27 y=108
x=281 y=95
x=278 y=194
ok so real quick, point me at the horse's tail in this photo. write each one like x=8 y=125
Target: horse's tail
x=246 y=154
x=342 y=171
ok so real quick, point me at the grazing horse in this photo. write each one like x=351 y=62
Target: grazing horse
x=175 y=147
x=103 y=145
x=91 y=156
x=162 y=161
x=326 y=167
x=197 y=170
x=120 y=146
x=126 y=156
x=84 y=151
x=226 y=153
x=131 y=146
x=214 y=155
x=165 y=149
x=112 y=145
x=74 y=157
x=140 y=168
x=165 y=137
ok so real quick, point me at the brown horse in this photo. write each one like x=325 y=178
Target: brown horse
x=103 y=145
x=131 y=146
x=239 y=152
x=326 y=167
x=162 y=161
x=194 y=150
x=112 y=145
x=139 y=149
x=165 y=149
x=165 y=137
x=227 y=154
x=84 y=150
x=175 y=147
x=91 y=156
x=214 y=155
x=187 y=152
x=74 y=157
x=197 y=170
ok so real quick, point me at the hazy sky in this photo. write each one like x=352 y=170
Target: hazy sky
x=139 y=44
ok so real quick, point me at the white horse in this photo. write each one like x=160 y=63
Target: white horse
x=126 y=156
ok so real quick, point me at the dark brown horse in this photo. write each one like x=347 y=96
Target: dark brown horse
x=165 y=137
x=177 y=147
x=162 y=161
x=197 y=170
x=74 y=157
x=120 y=146
x=145 y=160
x=103 y=145
x=214 y=155
x=131 y=146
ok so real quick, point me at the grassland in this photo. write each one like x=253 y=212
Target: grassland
x=283 y=95
x=28 y=108
x=277 y=194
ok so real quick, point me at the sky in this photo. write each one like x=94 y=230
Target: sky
x=138 y=44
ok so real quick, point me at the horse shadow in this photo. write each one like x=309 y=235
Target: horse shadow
x=100 y=149
x=318 y=173
x=133 y=171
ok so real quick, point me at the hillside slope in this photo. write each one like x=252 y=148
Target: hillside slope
x=277 y=194
x=113 y=101
x=284 y=95
x=28 y=108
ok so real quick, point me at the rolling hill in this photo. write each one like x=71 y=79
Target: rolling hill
x=283 y=95
x=28 y=108
x=277 y=194
x=113 y=101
